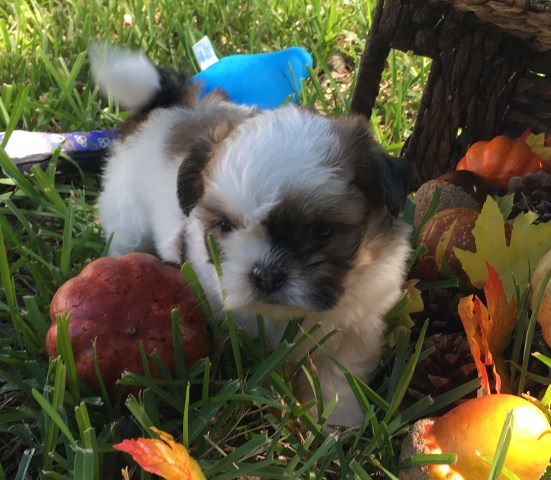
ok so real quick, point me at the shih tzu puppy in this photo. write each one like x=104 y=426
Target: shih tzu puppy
x=303 y=210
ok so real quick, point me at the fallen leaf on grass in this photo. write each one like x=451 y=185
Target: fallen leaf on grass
x=163 y=457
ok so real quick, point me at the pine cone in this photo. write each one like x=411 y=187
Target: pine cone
x=441 y=307
x=450 y=365
x=532 y=193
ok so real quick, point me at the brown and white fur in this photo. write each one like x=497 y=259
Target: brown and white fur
x=304 y=211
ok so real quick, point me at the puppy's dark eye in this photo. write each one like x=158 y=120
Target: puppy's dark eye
x=321 y=231
x=225 y=226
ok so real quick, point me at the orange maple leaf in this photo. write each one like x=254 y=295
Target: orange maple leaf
x=163 y=457
x=489 y=329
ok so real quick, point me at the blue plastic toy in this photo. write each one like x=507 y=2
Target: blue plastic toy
x=263 y=79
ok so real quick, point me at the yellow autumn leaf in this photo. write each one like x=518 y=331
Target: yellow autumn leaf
x=529 y=242
x=163 y=457
x=536 y=142
x=413 y=304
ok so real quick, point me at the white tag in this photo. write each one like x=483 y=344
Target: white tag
x=204 y=53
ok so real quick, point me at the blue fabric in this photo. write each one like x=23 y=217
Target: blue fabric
x=262 y=79
x=43 y=142
x=26 y=149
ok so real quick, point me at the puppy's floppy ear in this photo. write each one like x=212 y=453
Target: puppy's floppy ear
x=397 y=174
x=383 y=179
x=191 y=173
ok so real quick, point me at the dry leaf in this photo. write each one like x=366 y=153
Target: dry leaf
x=538 y=144
x=414 y=304
x=163 y=457
x=489 y=329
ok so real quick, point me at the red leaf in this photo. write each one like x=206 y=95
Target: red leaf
x=470 y=311
x=489 y=329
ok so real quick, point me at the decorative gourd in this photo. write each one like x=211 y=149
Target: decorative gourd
x=458 y=189
x=475 y=426
x=118 y=302
x=500 y=159
x=442 y=232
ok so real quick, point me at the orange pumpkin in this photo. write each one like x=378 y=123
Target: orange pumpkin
x=500 y=159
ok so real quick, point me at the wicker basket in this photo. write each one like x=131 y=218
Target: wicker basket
x=490 y=74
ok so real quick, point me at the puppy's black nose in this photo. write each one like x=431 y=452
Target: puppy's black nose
x=268 y=279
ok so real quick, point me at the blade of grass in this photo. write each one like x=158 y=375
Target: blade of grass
x=83 y=420
x=138 y=412
x=504 y=471
x=410 y=414
x=360 y=388
x=9 y=292
x=103 y=389
x=423 y=408
x=400 y=361
x=247 y=450
x=523 y=318
x=59 y=80
x=88 y=439
x=24 y=464
x=268 y=365
x=55 y=201
x=388 y=473
x=16 y=112
x=84 y=467
x=197 y=290
x=323 y=450
x=530 y=333
x=542 y=358
x=429 y=459
x=52 y=422
x=52 y=413
x=314 y=382
x=20 y=180
x=154 y=385
x=38 y=321
x=185 y=417
x=234 y=341
x=502 y=446
x=407 y=374
x=67 y=245
x=65 y=350
x=228 y=323
x=359 y=471
x=206 y=380
x=177 y=344
x=433 y=205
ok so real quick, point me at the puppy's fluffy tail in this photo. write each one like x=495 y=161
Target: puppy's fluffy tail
x=133 y=80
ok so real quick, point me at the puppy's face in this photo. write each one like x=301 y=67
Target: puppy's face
x=293 y=201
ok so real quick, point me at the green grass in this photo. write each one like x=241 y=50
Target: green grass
x=236 y=410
